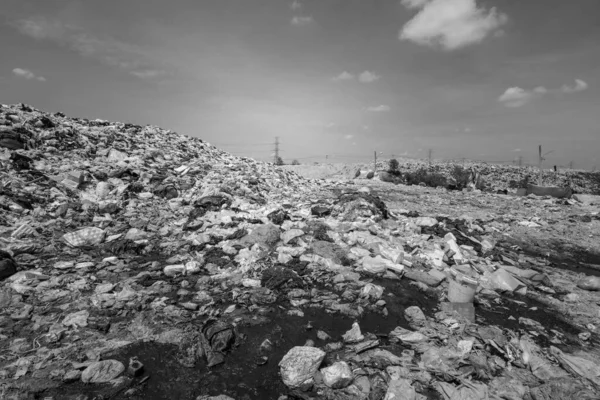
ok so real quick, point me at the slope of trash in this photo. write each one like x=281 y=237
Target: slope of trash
x=143 y=264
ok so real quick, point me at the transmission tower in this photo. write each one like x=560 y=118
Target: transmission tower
x=276 y=154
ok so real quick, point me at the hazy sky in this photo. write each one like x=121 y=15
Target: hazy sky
x=479 y=79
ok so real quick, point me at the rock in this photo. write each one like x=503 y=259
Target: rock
x=426 y=221
x=424 y=277
x=174 y=270
x=299 y=365
x=266 y=235
x=71 y=376
x=400 y=389
x=590 y=283
x=7 y=268
x=338 y=375
x=102 y=371
x=290 y=235
x=219 y=397
x=85 y=237
x=77 y=319
x=415 y=316
x=353 y=335
x=405 y=336
x=135 y=234
x=376 y=265
x=587 y=199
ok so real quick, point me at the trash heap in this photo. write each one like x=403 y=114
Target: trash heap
x=115 y=235
x=499 y=177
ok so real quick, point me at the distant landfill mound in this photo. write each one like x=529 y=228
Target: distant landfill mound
x=496 y=177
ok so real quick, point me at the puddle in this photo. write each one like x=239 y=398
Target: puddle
x=512 y=307
x=241 y=376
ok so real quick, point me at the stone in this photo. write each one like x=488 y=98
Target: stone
x=7 y=268
x=266 y=235
x=290 y=235
x=102 y=371
x=77 y=319
x=424 y=277
x=337 y=376
x=71 y=376
x=400 y=389
x=415 y=316
x=299 y=365
x=425 y=221
x=174 y=270
x=354 y=335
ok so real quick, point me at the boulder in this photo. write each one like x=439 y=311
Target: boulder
x=337 y=376
x=299 y=365
x=102 y=371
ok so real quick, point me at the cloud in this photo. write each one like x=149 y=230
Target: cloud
x=104 y=49
x=517 y=97
x=296 y=5
x=302 y=21
x=368 y=77
x=27 y=74
x=517 y=150
x=344 y=76
x=450 y=24
x=147 y=73
x=414 y=3
x=580 y=86
x=380 y=108
x=348 y=137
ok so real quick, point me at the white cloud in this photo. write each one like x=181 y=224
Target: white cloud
x=580 y=86
x=302 y=21
x=450 y=24
x=517 y=97
x=344 y=76
x=414 y=3
x=517 y=150
x=104 y=49
x=296 y=5
x=27 y=74
x=147 y=73
x=348 y=137
x=368 y=77
x=379 y=108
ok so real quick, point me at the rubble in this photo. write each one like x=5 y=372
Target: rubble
x=135 y=260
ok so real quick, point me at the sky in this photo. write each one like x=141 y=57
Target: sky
x=333 y=80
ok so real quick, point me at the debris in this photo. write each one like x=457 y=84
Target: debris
x=102 y=371
x=299 y=365
x=338 y=375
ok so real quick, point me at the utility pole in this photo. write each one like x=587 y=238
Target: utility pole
x=540 y=165
x=430 y=152
x=276 y=156
x=375 y=161
x=520 y=161
x=571 y=165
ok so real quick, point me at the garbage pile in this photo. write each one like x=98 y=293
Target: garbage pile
x=499 y=177
x=115 y=235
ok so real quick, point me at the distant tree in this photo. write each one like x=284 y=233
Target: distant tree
x=279 y=161
x=394 y=165
x=295 y=162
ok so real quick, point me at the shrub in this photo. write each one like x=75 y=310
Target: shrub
x=295 y=162
x=427 y=178
x=461 y=176
x=394 y=165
